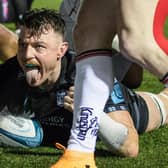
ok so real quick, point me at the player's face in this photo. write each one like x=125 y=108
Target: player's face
x=40 y=56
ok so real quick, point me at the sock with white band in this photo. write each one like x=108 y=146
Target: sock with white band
x=93 y=83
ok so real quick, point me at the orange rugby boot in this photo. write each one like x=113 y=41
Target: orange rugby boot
x=75 y=159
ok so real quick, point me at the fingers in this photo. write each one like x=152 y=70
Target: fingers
x=68 y=100
x=71 y=92
x=68 y=103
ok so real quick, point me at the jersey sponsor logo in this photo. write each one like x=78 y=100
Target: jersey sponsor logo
x=87 y=123
x=57 y=121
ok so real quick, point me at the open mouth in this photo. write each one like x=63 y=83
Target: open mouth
x=33 y=73
x=30 y=66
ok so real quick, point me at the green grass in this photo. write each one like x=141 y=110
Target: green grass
x=153 y=145
x=54 y=4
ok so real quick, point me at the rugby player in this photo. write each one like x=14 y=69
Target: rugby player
x=141 y=39
x=37 y=94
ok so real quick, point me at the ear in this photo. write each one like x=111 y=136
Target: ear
x=63 y=48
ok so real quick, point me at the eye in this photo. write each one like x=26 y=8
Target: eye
x=39 y=47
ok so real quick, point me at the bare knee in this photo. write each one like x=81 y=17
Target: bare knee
x=130 y=148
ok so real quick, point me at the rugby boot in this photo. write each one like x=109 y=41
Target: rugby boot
x=75 y=159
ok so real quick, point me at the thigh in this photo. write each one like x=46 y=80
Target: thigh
x=132 y=18
x=135 y=27
x=154 y=116
x=123 y=117
x=95 y=25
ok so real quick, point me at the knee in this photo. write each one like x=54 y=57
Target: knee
x=132 y=150
x=130 y=147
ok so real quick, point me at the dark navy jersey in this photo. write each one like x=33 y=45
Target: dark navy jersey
x=18 y=98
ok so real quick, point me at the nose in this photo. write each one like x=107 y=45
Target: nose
x=29 y=52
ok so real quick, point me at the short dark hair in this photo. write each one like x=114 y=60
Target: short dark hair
x=39 y=20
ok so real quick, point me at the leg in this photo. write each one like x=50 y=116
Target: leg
x=119 y=134
x=137 y=39
x=91 y=65
x=117 y=128
x=96 y=65
x=147 y=112
x=157 y=107
x=89 y=30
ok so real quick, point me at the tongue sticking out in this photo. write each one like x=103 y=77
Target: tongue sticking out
x=32 y=76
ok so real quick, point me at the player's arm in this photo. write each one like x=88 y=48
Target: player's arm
x=8 y=43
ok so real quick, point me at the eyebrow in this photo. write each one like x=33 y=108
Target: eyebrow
x=35 y=42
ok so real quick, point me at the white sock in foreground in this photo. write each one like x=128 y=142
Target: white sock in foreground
x=93 y=84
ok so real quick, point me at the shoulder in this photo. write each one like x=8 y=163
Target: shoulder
x=10 y=69
x=10 y=63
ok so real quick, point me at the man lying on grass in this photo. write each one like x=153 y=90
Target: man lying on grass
x=36 y=100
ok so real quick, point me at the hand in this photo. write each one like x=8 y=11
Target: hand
x=69 y=100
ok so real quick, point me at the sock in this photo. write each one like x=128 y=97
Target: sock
x=164 y=80
x=93 y=84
